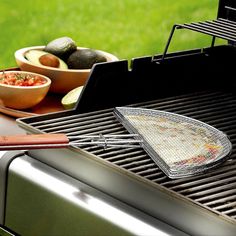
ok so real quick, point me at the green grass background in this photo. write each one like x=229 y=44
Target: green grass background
x=126 y=28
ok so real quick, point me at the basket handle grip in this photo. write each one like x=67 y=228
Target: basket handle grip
x=21 y=142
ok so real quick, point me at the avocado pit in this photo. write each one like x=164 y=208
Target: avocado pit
x=49 y=60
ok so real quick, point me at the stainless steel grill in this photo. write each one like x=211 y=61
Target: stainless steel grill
x=214 y=191
x=196 y=83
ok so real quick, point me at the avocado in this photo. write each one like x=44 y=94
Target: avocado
x=61 y=47
x=38 y=58
x=84 y=59
x=70 y=99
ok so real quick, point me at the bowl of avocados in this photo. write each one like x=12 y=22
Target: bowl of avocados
x=63 y=61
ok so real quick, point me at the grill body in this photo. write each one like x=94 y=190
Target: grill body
x=196 y=83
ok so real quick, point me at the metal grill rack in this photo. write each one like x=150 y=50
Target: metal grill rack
x=222 y=27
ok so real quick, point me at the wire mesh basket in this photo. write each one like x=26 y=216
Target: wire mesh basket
x=179 y=145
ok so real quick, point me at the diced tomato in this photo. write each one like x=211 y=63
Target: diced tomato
x=17 y=79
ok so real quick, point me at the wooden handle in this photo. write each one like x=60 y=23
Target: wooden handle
x=17 y=142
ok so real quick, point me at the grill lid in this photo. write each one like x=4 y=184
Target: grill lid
x=227 y=10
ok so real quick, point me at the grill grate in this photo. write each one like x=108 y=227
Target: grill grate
x=215 y=190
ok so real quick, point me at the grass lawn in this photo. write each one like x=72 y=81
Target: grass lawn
x=126 y=28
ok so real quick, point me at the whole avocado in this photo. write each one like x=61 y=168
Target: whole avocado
x=84 y=59
x=61 y=47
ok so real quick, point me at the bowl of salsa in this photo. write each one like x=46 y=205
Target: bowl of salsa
x=21 y=89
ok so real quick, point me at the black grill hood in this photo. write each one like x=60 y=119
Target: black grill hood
x=114 y=84
x=151 y=77
x=226 y=9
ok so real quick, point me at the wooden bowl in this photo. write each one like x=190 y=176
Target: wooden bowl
x=22 y=97
x=63 y=80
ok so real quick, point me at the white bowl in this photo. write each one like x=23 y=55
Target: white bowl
x=22 y=97
x=63 y=80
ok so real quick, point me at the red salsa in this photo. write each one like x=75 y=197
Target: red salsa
x=18 y=79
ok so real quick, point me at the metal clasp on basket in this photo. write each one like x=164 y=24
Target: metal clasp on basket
x=108 y=140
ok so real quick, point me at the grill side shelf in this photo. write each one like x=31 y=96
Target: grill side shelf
x=224 y=27
x=220 y=28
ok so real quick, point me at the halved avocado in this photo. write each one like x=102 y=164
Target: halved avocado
x=70 y=99
x=35 y=57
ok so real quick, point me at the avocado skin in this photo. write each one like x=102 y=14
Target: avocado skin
x=84 y=59
x=61 y=47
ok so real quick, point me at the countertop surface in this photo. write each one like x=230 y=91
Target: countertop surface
x=8 y=125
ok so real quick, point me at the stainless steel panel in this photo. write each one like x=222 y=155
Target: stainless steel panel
x=44 y=201
x=8 y=126
x=140 y=193
x=5 y=160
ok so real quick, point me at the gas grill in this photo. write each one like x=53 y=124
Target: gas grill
x=197 y=83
